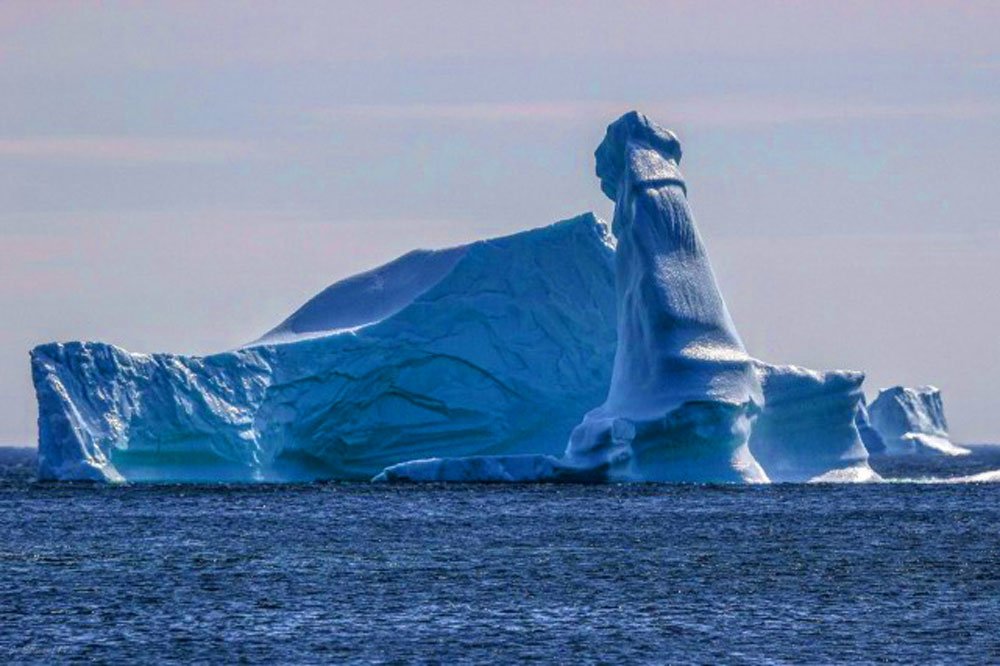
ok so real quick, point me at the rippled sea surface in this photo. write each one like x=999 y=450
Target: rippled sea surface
x=899 y=572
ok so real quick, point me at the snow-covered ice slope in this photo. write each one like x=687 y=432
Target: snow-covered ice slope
x=491 y=348
x=911 y=420
x=368 y=297
x=806 y=431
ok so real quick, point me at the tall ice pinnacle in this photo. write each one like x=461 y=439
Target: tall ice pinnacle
x=683 y=391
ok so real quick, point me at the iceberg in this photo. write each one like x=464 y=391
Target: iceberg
x=489 y=348
x=912 y=420
x=685 y=403
x=807 y=431
x=683 y=392
x=568 y=353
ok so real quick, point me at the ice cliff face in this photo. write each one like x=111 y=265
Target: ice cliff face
x=807 y=431
x=108 y=415
x=911 y=420
x=493 y=347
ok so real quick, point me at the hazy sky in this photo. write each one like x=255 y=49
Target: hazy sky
x=179 y=176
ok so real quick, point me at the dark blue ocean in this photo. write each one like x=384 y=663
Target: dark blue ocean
x=891 y=573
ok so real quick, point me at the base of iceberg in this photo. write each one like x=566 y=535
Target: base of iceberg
x=481 y=469
x=805 y=432
x=921 y=443
x=696 y=443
